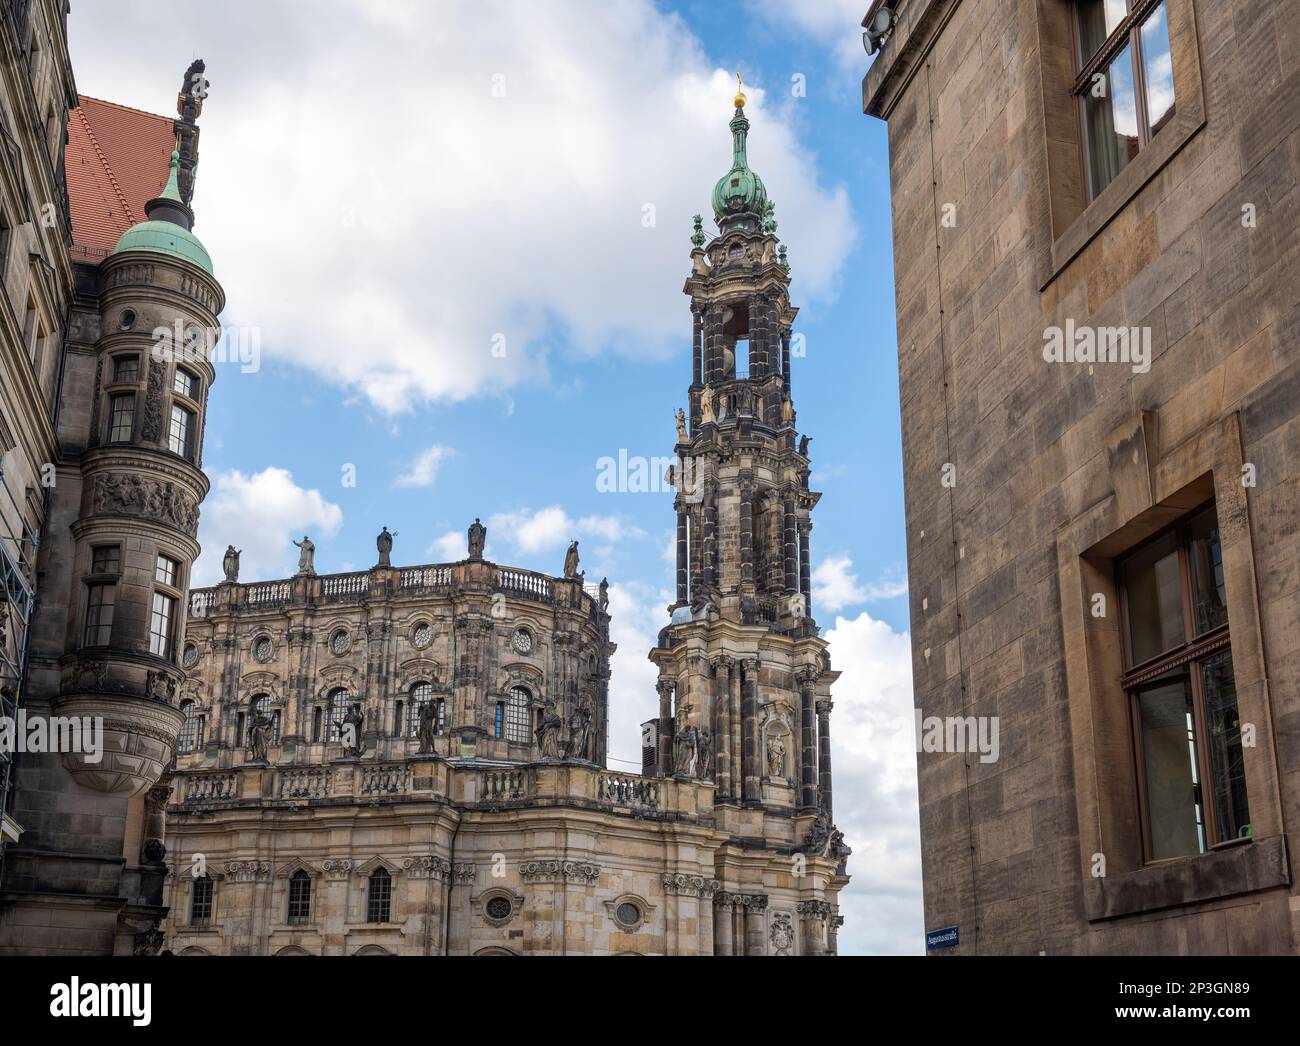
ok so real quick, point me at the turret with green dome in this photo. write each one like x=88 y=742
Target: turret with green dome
x=740 y=191
x=167 y=228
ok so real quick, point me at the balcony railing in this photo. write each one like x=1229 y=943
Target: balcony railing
x=211 y=787
x=526 y=584
x=386 y=779
x=628 y=790
x=309 y=782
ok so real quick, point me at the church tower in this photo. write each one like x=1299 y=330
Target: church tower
x=744 y=677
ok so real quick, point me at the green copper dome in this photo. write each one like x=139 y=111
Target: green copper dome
x=167 y=233
x=740 y=189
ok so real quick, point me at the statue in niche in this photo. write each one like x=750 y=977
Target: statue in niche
x=686 y=744
x=230 y=564
x=477 y=539
x=307 y=557
x=682 y=434
x=775 y=756
x=350 y=732
x=707 y=417
x=259 y=732
x=428 y=728
x=603 y=597
x=580 y=732
x=706 y=757
x=787 y=411
x=571 y=561
x=548 y=733
x=385 y=545
x=803 y=445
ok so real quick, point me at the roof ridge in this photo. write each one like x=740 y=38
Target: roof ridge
x=94 y=141
x=127 y=108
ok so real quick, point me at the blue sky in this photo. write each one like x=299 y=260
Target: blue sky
x=389 y=193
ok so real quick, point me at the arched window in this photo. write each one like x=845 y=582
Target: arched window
x=519 y=728
x=201 y=902
x=261 y=703
x=299 y=898
x=421 y=695
x=191 y=735
x=379 y=896
x=340 y=701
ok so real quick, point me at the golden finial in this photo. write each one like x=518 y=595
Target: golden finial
x=739 y=100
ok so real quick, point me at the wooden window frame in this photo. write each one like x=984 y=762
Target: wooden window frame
x=1188 y=654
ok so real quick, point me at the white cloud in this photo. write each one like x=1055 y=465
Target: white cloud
x=451 y=547
x=836 y=586
x=637 y=613
x=834 y=23
x=424 y=469
x=874 y=762
x=528 y=531
x=261 y=514
x=386 y=221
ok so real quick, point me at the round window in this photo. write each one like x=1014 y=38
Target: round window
x=264 y=649
x=498 y=908
x=340 y=642
x=522 y=640
x=191 y=656
x=422 y=635
x=628 y=914
x=127 y=320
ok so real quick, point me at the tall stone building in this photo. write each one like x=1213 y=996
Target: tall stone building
x=103 y=444
x=411 y=760
x=1097 y=270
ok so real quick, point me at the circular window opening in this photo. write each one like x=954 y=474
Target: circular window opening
x=191 y=656
x=522 y=640
x=422 y=636
x=498 y=908
x=127 y=320
x=340 y=642
x=264 y=649
x=627 y=914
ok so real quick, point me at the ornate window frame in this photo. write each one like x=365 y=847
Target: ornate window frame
x=480 y=903
x=644 y=908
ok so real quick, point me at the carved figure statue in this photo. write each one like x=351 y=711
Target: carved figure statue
x=803 y=445
x=706 y=756
x=548 y=733
x=259 y=732
x=580 y=732
x=307 y=557
x=603 y=598
x=787 y=411
x=707 y=417
x=477 y=539
x=350 y=732
x=682 y=434
x=428 y=729
x=686 y=744
x=384 y=542
x=230 y=563
x=775 y=756
x=571 y=561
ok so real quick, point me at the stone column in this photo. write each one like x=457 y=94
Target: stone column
x=706 y=923
x=682 y=592
x=697 y=343
x=752 y=790
x=757 y=336
x=722 y=726
x=805 y=572
x=755 y=905
x=824 y=755
x=737 y=744
x=724 y=942
x=808 y=742
x=746 y=531
x=812 y=921
x=711 y=535
x=789 y=548
x=665 y=687
x=785 y=359
x=713 y=351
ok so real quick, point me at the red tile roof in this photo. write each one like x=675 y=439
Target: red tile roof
x=116 y=161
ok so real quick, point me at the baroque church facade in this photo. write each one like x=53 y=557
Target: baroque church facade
x=401 y=760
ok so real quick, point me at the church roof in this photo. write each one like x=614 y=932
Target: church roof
x=117 y=160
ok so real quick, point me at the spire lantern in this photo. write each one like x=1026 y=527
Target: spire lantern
x=740 y=190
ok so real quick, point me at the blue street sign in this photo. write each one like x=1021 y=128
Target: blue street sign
x=945 y=938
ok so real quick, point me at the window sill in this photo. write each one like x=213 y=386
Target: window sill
x=1255 y=864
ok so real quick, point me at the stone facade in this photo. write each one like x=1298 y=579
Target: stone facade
x=470 y=839
x=1030 y=482
x=112 y=460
